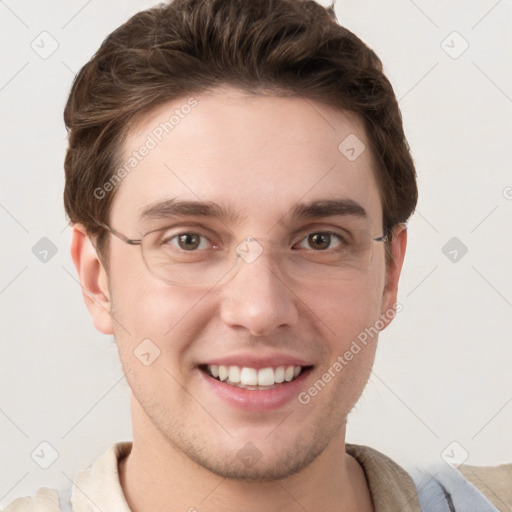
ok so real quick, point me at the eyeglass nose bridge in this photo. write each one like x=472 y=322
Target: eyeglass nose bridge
x=248 y=251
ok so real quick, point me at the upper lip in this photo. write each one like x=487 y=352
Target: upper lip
x=258 y=362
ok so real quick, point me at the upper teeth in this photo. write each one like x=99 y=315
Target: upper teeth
x=252 y=377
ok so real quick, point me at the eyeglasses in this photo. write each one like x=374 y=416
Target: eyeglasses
x=185 y=256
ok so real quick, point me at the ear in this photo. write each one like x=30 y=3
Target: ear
x=93 y=279
x=393 y=270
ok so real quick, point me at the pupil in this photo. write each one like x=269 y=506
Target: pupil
x=321 y=240
x=189 y=241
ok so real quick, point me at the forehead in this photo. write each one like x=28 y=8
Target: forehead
x=257 y=156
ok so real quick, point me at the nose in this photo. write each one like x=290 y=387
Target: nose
x=258 y=298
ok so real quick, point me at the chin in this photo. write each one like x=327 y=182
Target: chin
x=260 y=470
x=263 y=460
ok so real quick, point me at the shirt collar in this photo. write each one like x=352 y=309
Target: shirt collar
x=98 y=487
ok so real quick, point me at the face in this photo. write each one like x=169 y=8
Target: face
x=256 y=157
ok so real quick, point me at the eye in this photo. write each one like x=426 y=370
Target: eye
x=188 y=241
x=321 y=240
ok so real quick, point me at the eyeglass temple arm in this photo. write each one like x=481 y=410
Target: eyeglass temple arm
x=388 y=232
x=121 y=237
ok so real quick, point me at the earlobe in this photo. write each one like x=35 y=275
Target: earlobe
x=389 y=296
x=93 y=279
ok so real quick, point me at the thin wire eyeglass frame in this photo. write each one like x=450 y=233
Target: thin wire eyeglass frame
x=139 y=241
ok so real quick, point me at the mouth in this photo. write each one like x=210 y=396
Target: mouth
x=254 y=379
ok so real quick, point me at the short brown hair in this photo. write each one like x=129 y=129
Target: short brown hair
x=188 y=46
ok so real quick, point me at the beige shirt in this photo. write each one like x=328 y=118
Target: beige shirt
x=494 y=482
x=391 y=488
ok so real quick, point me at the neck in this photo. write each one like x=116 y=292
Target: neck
x=157 y=476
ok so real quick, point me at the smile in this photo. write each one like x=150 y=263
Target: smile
x=252 y=378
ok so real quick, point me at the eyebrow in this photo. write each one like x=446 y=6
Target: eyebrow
x=328 y=208
x=309 y=210
x=174 y=208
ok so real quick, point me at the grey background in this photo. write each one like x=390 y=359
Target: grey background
x=441 y=384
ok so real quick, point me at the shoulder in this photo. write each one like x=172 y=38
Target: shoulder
x=494 y=482
x=390 y=485
x=98 y=482
x=468 y=488
x=44 y=500
x=437 y=486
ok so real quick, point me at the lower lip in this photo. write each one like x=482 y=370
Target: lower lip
x=256 y=400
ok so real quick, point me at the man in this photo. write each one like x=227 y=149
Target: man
x=238 y=182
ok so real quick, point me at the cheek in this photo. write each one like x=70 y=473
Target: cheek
x=155 y=312
x=348 y=308
x=352 y=316
x=152 y=317
x=143 y=304
x=348 y=326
